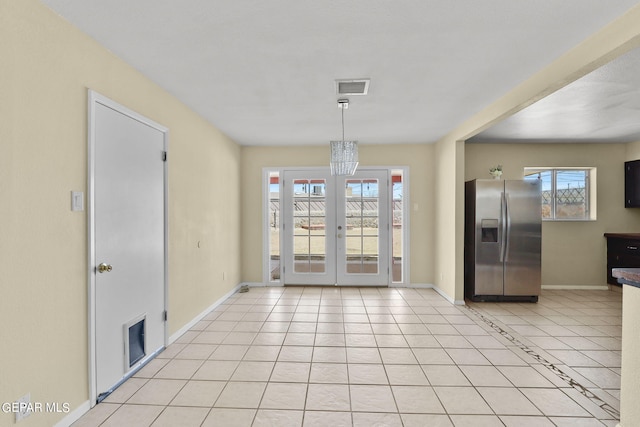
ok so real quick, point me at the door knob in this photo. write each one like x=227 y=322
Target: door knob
x=102 y=268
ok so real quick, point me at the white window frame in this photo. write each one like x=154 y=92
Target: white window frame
x=590 y=190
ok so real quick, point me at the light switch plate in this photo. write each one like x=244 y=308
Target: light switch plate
x=77 y=201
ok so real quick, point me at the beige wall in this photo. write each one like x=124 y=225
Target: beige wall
x=573 y=253
x=47 y=66
x=632 y=151
x=449 y=242
x=630 y=386
x=419 y=158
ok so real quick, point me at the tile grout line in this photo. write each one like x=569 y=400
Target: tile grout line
x=255 y=416
x=433 y=388
x=492 y=325
x=553 y=368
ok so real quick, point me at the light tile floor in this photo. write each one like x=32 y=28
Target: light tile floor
x=326 y=356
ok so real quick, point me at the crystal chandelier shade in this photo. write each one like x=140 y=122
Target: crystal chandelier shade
x=344 y=154
x=344 y=157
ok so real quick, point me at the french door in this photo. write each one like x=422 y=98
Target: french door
x=336 y=229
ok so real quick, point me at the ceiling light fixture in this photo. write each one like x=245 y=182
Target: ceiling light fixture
x=344 y=154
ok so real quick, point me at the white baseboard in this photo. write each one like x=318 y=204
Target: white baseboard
x=575 y=288
x=259 y=284
x=200 y=316
x=412 y=285
x=435 y=288
x=392 y=285
x=74 y=415
x=446 y=296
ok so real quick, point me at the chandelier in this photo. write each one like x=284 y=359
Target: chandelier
x=344 y=154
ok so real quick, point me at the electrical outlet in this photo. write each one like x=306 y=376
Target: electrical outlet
x=24 y=407
x=224 y=275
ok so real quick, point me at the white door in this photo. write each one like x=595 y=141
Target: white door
x=128 y=226
x=336 y=229
x=309 y=228
x=363 y=212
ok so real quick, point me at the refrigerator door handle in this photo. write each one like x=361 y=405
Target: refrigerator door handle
x=508 y=226
x=503 y=231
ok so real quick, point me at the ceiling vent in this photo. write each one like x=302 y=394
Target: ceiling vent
x=352 y=87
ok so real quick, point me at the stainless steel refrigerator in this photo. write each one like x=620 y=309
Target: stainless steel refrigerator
x=503 y=233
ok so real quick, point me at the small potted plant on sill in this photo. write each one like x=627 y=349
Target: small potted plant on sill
x=496 y=172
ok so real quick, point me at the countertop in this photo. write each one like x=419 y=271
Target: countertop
x=623 y=235
x=627 y=276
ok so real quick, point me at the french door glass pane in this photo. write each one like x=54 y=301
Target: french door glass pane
x=309 y=238
x=362 y=236
x=354 y=245
x=274 y=226
x=396 y=235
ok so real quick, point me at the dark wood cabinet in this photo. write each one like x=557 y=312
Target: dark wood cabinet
x=632 y=184
x=623 y=251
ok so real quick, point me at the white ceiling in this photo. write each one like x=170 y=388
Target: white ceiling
x=263 y=72
x=603 y=106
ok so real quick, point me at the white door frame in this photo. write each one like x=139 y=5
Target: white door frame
x=94 y=99
x=406 y=203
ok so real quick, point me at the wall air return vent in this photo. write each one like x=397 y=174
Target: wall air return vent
x=352 y=87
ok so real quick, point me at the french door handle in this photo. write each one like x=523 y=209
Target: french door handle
x=104 y=268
